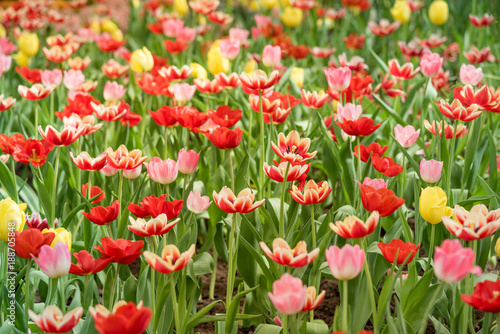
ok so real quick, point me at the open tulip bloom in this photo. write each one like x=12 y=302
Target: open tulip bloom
x=273 y=166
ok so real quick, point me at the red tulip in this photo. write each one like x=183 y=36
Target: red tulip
x=84 y=162
x=353 y=228
x=165 y=116
x=153 y=84
x=225 y=138
x=126 y=318
x=94 y=191
x=243 y=203
x=486 y=297
x=190 y=117
x=87 y=265
x=103 y=215
x=173 y=73
x=52 y=320
x=291 y=148
x=405 y=72
x=121 y=251
x=382 y=200
x=29 y=242
x=310 y=193
x=171 y=259
x=32 y=151
x=386 y=165
x=365 y=151
x=33 y=76
x=312 y=300
x=283 y=254
x=296 y=172
x=225 y=116
x=154 y=206
x=361 y=128
x=405 y=251
x=35 y=92
x=123 y=159
x=9 y=144
x=259 y=81
x=456 y=110
x=155 y=226
x=64 y=138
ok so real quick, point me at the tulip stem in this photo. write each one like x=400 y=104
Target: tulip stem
x=113 y=288
x=431 y=247
x=13 y=171
x=262 y=149
x=370 y=290
x=106 y=129
x=153 y=301
x=345 y=304
x=36 y=120
x=27 y=286
x=451 y=159
x=250 y=121
x=120 y=186
x=359 y=159
x=313 y=227
x=498 y=323
x=211 y=289
x=282 y=204
x=284 y=323
x=62 y=295
x=231 y=171
x=230 y=275
x=174 y=304
x=166 y=142
x=54 y=188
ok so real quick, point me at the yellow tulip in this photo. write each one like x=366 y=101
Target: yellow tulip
x=329 y=23
x=291 y=16
x=268 y=4
x=3 y=32
x=285 y=3
x=61 y=234
x=439 y=12
x=216 y=62
x=141 y=60
x=11 y=218
x=251 y=66
x=181 y=7
x=401 y=11
x=29 y=43
x=199 y=71
x=297 y=76
x=21 y=59
x=497 y=247
x=95 y=26
x=109 y=26
x=432 y=205
x=136 y=3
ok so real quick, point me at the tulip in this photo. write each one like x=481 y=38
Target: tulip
x=352 y=227
x=348 y=112
x=296 y=172
x=29 y=242
x=216 y=62
x=132 y=174
x=35 y=92
x=155 y=226
x=85 y=162
x=113 y=91
x=51 y=77
x=469 y=75
x=258 y=81
x=154 y=206
x=35 y=221
x=456 y=110
x=486 y=297
x=382 y=200
x=103 y=215
x=375 y=183
x=243 y=203
x=183 y=92
x=438 y=12
x=93 y=192
x=225 y=138
x=123 y=159
x=293 y=149
x=121 y=251
x=401 y=11
x=108 y=170
x=124 y=318
x=181 y=7
x=430 y=170
x=73 y=79
x=405 y=72
x=61 y=234
x=312 y=301
x=432 y=205
x=187 y=161
x=229 y=48
x=54 y=262
x=360 y=128
x=171 y=259
x=289 y=294
x=87 y=265
x=291 y=16
x=271 y=55
x=338 y=78
x=28 y=44
x=406 y=136
x=297 y=76
x=11 y=218
x=313 y=99
x=310 y=192
x=78 y=63
x=225 y=116
x=66 y=137
x=163 y=171
x=173 y=73
x=452 y=262
x=366 y=151
x=198 y=71
x=141 y=60
x=473 y=225
x=283 y=254
x=345 y=263
x=386 y=165
x=197 y=203
x=405 y=251
x=430 y=64
x=52 y=320
x=6 y=103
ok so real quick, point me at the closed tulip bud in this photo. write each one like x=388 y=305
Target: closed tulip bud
x=271 y=55
x=268 y=4
x=345 y=263
x=469 y=75
x=430 y=170
x=108 y=26
x=430 y=64
x=181 y=7
x=401 y=11
x=29 y=44
x=453 y=262
x=432 y=205
x=297 y=76
x=163 y=171
x=141 y=60
x=216 y=62
x=21 y=58
x=291 y=16
x=61 y=234
x=108 y=170
x=188 y=161
x=12 y=218
x=289 y=294
x=406 y=136
x=54 y=262
x=439 y=12
x=198 y=71
x=197 y=203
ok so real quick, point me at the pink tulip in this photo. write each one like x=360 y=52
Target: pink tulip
x=406 y=136
x=186 y=35
x=289 y=294
x=430 y=64
x=54 y=262
x=132 y=174
x=6 y=47
x=73 y=79
x=338 y=78
x=271 y=56
x=452 y=262
x=375 y=183
x=188 y=161
x=163 y=171
x=263 y=21
x=229 y=48
x=5 y=63
x=345 y=263
x=469 y=75
x=197 y=203
x=349 y=112
x=256 y=32
x=172 y=27
x=430 y=170
x=108 y=170
x=113 y=91
x=74 y=93
x=238 y=34
x=184 y=92
x=51 y=77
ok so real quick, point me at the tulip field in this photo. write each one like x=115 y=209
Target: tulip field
x=250 y=166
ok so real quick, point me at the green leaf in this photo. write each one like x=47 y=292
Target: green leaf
x=233 y=309
x=268 y=329
x=195 y=319
x=7 y=180
x=389 y=110
x=242 y=175
x=203 y=264
x=380 y=62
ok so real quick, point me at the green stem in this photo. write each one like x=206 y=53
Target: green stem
x=54 y=188
x=313 y=227
x=284 y=323
x=430 y=305
x=153 y=274
x=230 y=270
x=13 y=171
x=282 y=204
x=498 y=323
x=370 y=291
x=250 y=121
x=166 y=142
x=106 y=129
x=113 y=288
x=62 y=295
x=359 y=159
x=36 y=120
x=120 y=188
x=345 y=305
x=27 y=287
x=262 y=149
x=431 y=247
x=174 y=304
x=211 y=289
x=450 y=161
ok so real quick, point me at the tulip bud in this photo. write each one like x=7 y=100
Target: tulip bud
x=289 y=294
x=181 y=7
x=401 y=11
x=54 y=261
x=297 y=76
x=438 y=12
x=432 y=205
x=469 y=75
x=430 y=170
x=271 y=55
x=163 y=171
x=12 y=218
x=21 y=58
x=61 y=234
x=29 y=44
x=291 y=16
x=188 y=161
x=141 y=60
x=199 y=71
x=216 y=62
x=430 y=64
x=35 y=221
x=197 y=203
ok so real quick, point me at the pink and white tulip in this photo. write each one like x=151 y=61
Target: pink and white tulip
x=54 y=262
x=113 y=91
x=51 y=77
x=430 y=170
x=188 y=161
x=452 y=262
x=163 y=171
x=271 y=55
x=338 y=78
x=197 y=203
x=289 y=294
x=349 y=112
x=406 y=136
x=430 y=64
x=469 y=75
x=345 y=263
